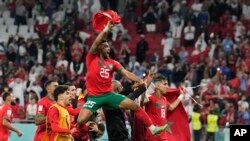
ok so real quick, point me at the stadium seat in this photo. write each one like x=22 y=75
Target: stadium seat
x=6 y=14
x=30 y=21
x=1 y=20
x=23 y=31
x=3 y=29
x=4 y=36
x=9 y=21
x=12 y=29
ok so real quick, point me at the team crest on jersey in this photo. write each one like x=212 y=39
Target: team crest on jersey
x=158 y=105
x=110 y=66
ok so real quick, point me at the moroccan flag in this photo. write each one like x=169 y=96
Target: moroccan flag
x=180 y=127
x=101 y=18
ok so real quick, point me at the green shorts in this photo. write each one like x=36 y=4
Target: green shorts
x=111 y=100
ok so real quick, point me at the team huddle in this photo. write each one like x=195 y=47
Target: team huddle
x=57 y=118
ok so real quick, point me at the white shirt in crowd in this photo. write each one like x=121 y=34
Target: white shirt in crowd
x=202 y=42
x=22 y=50
x=42 y=19
x=36 y=88
x=18 y=89
x=31 y=109
x=197 y=8
x=239 y=29
x=40 y=56
x=189 y=32
x=167 y=44
x=246 y=11
x=176 y=29
x=63 y=62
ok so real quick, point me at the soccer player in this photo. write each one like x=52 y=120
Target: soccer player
x=91 y=126
x=100 y=69
x=115 y=121
x=156 y=106
x=6 y=118
x=58 y=117
x=43 y=107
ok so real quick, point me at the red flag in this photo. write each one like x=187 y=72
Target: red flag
x=235 y=83
x=180 y=127
x=198 y=57
x=101 y=18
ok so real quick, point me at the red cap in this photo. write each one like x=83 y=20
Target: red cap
x=100 y=19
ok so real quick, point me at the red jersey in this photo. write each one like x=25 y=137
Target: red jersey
x=42 y=109
x=100 y=74
x=156 y=109
x=5 y=113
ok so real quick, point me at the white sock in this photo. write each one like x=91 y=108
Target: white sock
x=152 y=128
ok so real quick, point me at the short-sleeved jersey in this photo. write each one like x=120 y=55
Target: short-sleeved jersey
x=156 y=109
x=42 y=109
x=100 y=74
x=5 y=113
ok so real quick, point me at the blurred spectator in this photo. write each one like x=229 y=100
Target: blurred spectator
x=129 y=13
x=167 y=43
x=243 y=113
x=61 y=61
x=184 y=10
x=139 y=70
x=201 y=42
x=76 y=67
x=227 y=45
x=246 y=9
x=36 y=87
x=140 y=25
x=150 y=18
x=189 y=35
x=183 y=55
x=141 y=49
x=29 y=4
x=19 y=87
x=20 y=13
x=176 y=26
x=18 y=110
x=31 y=109
x=124 y=52
x=228 y=115
x=196 y=123
x=132 y=62
x=239 y=31
x=212 y=126
x=197 y=7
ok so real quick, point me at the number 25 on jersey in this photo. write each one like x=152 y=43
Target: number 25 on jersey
x=104 y=72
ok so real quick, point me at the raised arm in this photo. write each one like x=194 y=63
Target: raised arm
x=173 y=105
x=129 y=75
x=101 y=36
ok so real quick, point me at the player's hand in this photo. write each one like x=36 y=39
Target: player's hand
x=108 y=27
x=19 y=134
x=73 y=131
x=93 y=127
x=90 y=123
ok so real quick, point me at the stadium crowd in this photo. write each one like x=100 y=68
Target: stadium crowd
x=205 y=45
